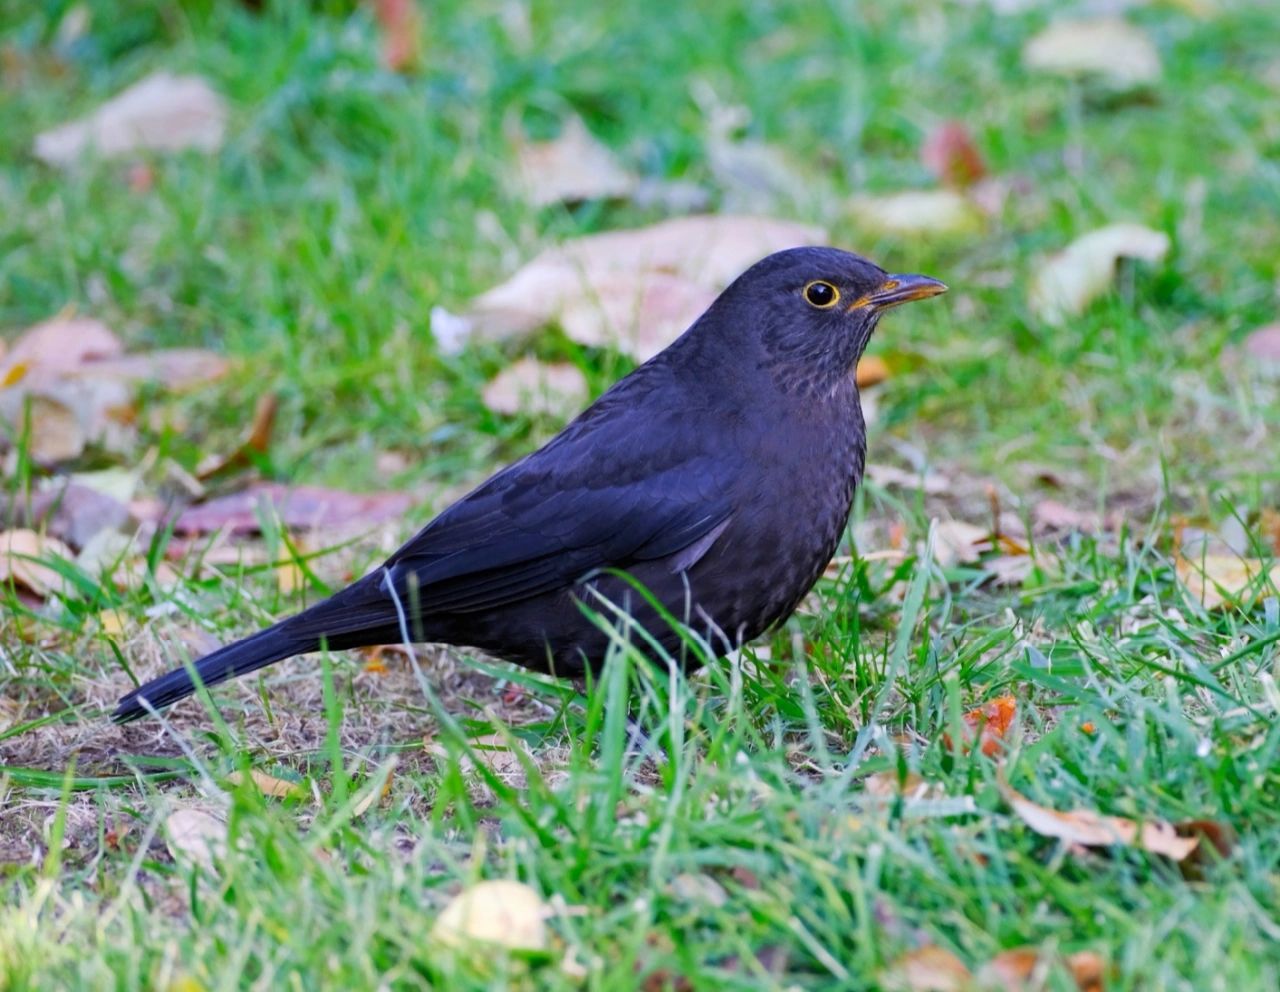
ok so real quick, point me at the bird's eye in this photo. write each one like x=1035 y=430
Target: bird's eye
x=821 y=294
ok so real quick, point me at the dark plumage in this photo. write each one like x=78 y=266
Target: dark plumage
x=719 y=475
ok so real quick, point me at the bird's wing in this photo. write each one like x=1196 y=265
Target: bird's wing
x=537 y=528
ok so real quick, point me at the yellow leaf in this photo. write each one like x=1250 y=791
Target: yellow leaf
x=111 y=623
x=1221 y=580
x=13 y=374
x=269 y=785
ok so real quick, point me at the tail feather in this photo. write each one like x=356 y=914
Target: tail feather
x=248 y=655
x=359 y=615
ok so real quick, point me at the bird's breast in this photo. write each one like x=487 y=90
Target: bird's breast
x=796 y=491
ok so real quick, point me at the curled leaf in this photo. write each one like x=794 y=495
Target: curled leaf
x=1069 y=281
x=1087 y=828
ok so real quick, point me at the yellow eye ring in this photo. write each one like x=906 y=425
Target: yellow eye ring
x=821 y=294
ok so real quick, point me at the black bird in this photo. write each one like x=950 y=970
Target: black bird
x=719 y=475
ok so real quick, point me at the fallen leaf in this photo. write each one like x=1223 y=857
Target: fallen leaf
x=63 y=343
x=1069 y=281
x=400 y=23
x=69 y=511
x=1217 y=581
x=1264 y=343
x=1088 y=968
x=989 y=724
x=52 y=430
x=1108 y=48
x=872 y=370
x=1217 y=842
x=696 y=887
x=1024 y=969
x=1088 y=828
x=636 y=314
x=888 y=476
x=111 y=623
x=956 y=542
x=503 y=913
x=1010 y=970
x=537 y=389
x=571 y=168
x=298 y=508
x=176 y=369
x=162 y=112
x=257 y=441
x=949 y=152
x=269 y=785
x=888 y=785
x=23 y=554
x=1050 y=515
x=375 y=793
x=928 y=969
x=916 y=212
x=195 y=836
x=705 y=251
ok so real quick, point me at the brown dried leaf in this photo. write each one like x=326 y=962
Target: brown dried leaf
x=929 y=969
x=1217 y=581
x=298 y=507
x=1109 y=48
x=949 y=152
x=1088 y=828
x=535 y=388
x=256 y=441
x=571 y=168
x=161 y=112
x=19 y=547
x=1069 y=281
x=498 y=913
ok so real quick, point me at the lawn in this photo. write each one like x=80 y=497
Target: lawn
x=825 y=810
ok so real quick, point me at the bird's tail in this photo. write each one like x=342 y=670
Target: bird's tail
x=248 y=655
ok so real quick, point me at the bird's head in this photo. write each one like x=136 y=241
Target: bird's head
x=809 y=312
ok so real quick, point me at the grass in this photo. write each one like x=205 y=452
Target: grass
x=740 y=846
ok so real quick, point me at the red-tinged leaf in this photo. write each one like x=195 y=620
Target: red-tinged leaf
x=949 y=152
x=400 y=23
